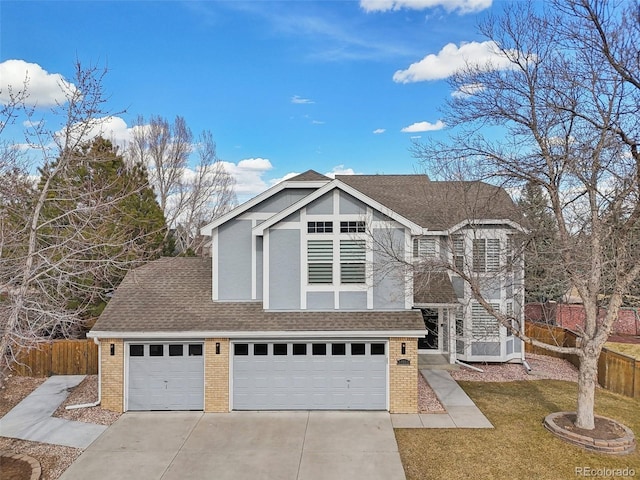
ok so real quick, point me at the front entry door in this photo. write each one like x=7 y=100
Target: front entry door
x=432 y=324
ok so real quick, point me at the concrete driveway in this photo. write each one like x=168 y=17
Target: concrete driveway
x=243 y=445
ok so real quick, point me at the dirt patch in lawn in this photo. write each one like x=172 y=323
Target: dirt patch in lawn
x=13 y=469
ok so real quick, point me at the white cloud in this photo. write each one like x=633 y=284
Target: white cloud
x=378 y=131
x=340 y=170
x=112 y=128
x=249 y=174
x=300 y=100
x=461 y=6
x=451 y=58
x=424 y=127
x=44 y=89
x=468 y=90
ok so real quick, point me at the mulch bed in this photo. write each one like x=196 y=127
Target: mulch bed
x=605 y=429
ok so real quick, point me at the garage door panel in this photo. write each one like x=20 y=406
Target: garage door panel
x=331 y=379
x=167 y=382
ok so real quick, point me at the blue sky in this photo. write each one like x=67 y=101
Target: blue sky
x=284 y=86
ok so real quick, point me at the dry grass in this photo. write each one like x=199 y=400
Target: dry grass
x=519 y=447
x=631 y=349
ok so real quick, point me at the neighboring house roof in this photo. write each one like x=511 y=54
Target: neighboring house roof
x=174 y=295
x=309 y=176
x=433 y=288
x=436 y=205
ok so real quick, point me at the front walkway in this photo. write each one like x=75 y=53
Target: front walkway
x=461 y=411
x=31 y=419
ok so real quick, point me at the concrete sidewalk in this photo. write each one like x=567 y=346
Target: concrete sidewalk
x=302 y=445
x=31 y=419
x=461 y=411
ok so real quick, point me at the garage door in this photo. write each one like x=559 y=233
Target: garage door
x=165 y=376
x=310 y=376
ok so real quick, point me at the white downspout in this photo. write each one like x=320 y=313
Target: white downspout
x=469 y=366
x=96 y=403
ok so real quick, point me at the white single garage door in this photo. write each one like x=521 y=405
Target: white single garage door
x=165 y=376
x=319 y=375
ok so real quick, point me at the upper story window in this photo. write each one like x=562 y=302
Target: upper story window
x=352 y=261
x=352 y=227
x=320 y=261
x=319 y=227
x=458 y=252
x=486 y=255
x=424 y=247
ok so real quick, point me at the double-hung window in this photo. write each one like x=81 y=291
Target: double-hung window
x=486 y=255
x=320 y=261
x=352 y=261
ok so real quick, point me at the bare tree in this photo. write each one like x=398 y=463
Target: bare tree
x=61 y=238
x=189 y=198
x=569 y=105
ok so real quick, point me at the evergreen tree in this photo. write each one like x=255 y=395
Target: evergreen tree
x=543 y=280
x=100 y=219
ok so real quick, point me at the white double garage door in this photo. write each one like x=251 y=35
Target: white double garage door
x=274 y=375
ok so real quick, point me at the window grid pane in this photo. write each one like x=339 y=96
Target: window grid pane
x=479 y=255
x=352 y=261
x=493 y=255
x=458 y=252
x=320 y=258
x=424 y=247
x=352 y=227
x=483 y=324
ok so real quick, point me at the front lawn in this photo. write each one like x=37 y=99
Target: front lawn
x=519 y=447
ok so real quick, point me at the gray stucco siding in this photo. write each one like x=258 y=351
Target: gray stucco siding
x=320 y=301
x=490 y=288
x=284 y=269
x=353 y=300
x=234 y=260
x=388 y=281
x=322 y=205
x=350 y=205
x=458 y=286
x=281 y=200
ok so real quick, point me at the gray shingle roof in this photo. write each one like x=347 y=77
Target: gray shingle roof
x=433 y=288
x=309 y=176
x=174 y=294
x=433 y=204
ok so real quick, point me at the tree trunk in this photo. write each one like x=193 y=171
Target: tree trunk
x=587 y=378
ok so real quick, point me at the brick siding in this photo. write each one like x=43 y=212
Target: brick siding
x=216 y=375
x=403 y=379
x=112 y=372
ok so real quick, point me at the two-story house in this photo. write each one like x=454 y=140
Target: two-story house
x=319 y=294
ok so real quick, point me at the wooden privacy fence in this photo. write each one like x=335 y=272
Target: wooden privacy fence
x=617 y=372
x=59 y=357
